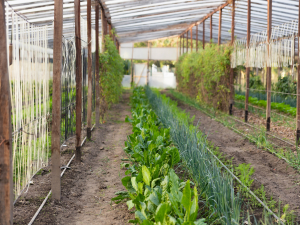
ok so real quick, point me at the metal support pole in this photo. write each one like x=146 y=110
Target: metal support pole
x=6 y=169
x=197 y=38
x=247 y=66
x=97 y=77
x=231 y=96
x=90 y=70
x=220 y=26
x=56 y=106
x=268 y=116
x=204 y=34
x=78 y=81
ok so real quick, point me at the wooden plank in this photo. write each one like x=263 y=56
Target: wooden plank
x=191 y=31
x=247 y=67
x=197 y=38
x=220 y=27
x=97 y=77
x=90 y=70
x=78 y=81
x=203 y=34
x=56 y=99
x=269 y=72
x=231 y=76
x=298 y=86
x=6 y=170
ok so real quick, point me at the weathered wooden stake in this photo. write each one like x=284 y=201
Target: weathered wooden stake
x=191 y=39
x=204 y=34
x=56 y=99
x=298 y=85
x=269 y=72
x=247 y=66
x=197 y=38
x=6 y=169
x=97 y=77
x=211 y=32
x=78 y=81
x=231 y=96
x=220 y=26
x=90 y=70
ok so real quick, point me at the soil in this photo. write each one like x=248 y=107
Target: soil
x=86 y=188
x=278 y=178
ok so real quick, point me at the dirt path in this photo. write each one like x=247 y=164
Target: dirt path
x=279 y=179
x=87 y=189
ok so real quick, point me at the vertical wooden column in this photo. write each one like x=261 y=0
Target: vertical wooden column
x=90 y=70
x=78 y=81
x=211 y=32
x=220 y=27
x=191 y=39
x=103 y=26
x=187 y=42
x=6 y=169
x=247 y=62
x=197 y=37
x=110 y=31
x=269 y=72
x=231 y=96
x=147 y=78
x=179 y=45
x=97 y=77
x=298 y=86
x=56 y=97
x=204 y=34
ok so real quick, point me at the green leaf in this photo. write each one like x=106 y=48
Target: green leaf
x=186 y=199
x=134 y=183
x=161 y=212
x=125 y=181
x=130 y=204
x=139 y=214
x=146 y=175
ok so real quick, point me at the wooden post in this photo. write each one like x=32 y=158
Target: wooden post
x=298 y=86
x=6 y=169
x=147 y=78
x=90 y=70
x=179 y=45
x=220 y=26
x=247 y=66
x=110 y=31
x=211 y=33
x=187 y=43
x=204 y=34
x=268 y=116
x=231 y=96
x=56 y=99
x=103 y=23
x=191 y=39
x=78 y=81
x=197 y=38
x=97 y=77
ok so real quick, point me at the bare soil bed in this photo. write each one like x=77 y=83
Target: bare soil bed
x=279 y=179
x=87 y=188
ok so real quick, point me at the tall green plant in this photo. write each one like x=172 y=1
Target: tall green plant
x=111 y=75
x=205 y=75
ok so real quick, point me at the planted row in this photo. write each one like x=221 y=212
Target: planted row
x=153 y=188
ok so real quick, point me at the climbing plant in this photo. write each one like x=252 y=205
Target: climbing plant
x=205 y=75
x=111 y=75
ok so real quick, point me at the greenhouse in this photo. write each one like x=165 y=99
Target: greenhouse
x=162 y=112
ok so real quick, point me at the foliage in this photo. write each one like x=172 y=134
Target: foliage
x=286 y=85
x=216 y=187
x=163 y=42
x=205 y=75
x=111 y=74
x=153 y=188
x=281 y=107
